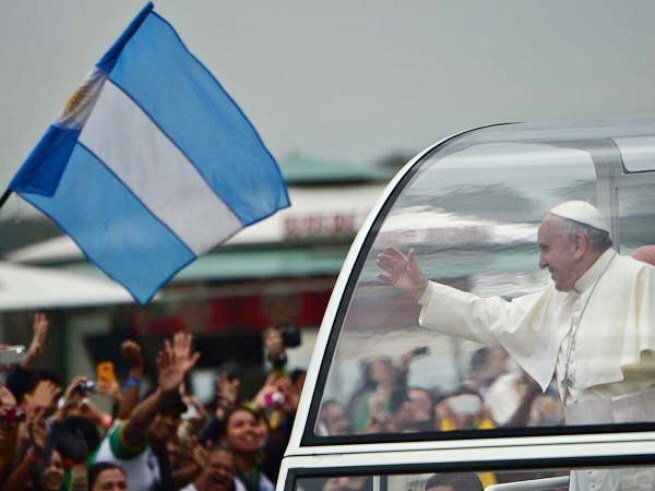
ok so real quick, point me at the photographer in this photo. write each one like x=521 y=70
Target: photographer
x=278 y=397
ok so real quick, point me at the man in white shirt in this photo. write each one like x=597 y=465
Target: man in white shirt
x=593 y=327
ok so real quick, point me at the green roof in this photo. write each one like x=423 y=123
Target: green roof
x=301 y=170
x=247 y=264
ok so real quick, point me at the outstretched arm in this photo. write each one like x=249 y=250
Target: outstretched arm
x=133 y=353
x=402 y=271
x=173 y=363
x=40 y=328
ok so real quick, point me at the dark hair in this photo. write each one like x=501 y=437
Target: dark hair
x=94 y=471
x=479 y=359
x=222 y=429
x=296 y=374
x=460 y=481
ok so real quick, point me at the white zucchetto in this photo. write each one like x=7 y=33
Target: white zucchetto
x=581 y=212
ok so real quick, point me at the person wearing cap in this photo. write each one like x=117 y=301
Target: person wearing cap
x=593 y=327
x=139 y=445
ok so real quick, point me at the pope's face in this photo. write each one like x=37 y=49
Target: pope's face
x=556 y=252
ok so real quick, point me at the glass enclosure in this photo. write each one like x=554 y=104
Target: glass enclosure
x=555 y=479
x=470 y=209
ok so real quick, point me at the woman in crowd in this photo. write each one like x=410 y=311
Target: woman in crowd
x=242 y=434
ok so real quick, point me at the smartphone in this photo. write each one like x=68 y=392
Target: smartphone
x=423 y=350
x=105 y=372
x=12 y=354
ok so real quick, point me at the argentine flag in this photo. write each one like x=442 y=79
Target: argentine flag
x=151 y=162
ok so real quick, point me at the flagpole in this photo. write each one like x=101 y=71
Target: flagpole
x=5 y=197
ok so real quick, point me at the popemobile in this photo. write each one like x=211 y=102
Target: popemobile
x=493 y=325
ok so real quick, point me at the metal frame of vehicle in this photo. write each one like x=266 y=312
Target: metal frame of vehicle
x=309 y=455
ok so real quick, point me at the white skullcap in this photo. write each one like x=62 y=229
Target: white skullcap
x=581 y=212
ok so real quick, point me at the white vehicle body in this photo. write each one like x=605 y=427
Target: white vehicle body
x=470 y=206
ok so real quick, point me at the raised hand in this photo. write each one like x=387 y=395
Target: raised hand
x=132 y=352
x=42 y=398
x=175 y=361
x=40 y=328
x=402 y=271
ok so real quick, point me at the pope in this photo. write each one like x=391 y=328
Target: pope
x=592 y=327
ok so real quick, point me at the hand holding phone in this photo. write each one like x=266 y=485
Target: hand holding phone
x=12 y=354
x=105 y=372
x=420 y=351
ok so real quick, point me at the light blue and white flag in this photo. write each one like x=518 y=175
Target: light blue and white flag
x=151 y=162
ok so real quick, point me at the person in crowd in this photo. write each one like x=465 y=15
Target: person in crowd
x=277 y=400
x=126 y=400
x=218 y=472
x=139 y=444
x=415 y=413
x=242 y=434
x=591 y=327
x=515 y=400
x=348 y=483
x=460 y=481
x=22 y=378
x=50 y=475
x=9 y=422
x=486 y=365
x=42 y=466
x=463 y=409
x=23 y=434
x=106 y=476
x=645 y=253
x=332 y=419
x=381 y=392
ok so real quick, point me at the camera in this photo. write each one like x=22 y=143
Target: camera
x=291 y=336
x=274 y=399
x=86 y=387
x=13 y=416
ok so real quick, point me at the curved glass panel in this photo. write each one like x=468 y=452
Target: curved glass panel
x=470 y=212
x=525 y=479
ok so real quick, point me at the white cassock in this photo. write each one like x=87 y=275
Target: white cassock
x=599 y=337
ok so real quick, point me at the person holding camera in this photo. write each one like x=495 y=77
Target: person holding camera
x=278 y=397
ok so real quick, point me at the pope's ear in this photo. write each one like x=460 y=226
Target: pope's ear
x=580 y=245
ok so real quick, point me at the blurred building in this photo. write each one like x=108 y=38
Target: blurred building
x=279 y=271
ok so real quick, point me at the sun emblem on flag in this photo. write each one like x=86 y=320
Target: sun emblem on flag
x=79 y=104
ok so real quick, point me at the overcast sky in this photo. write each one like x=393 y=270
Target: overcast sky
x=350 y=80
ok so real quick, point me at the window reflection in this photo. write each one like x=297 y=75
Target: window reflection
x=472 y=220
x=556 y=479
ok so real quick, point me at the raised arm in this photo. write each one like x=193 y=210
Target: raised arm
x=40 y=328
x=174 y=361
x=133 y=353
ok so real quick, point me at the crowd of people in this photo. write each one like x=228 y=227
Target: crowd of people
x=55 y=437
x=492 y=394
